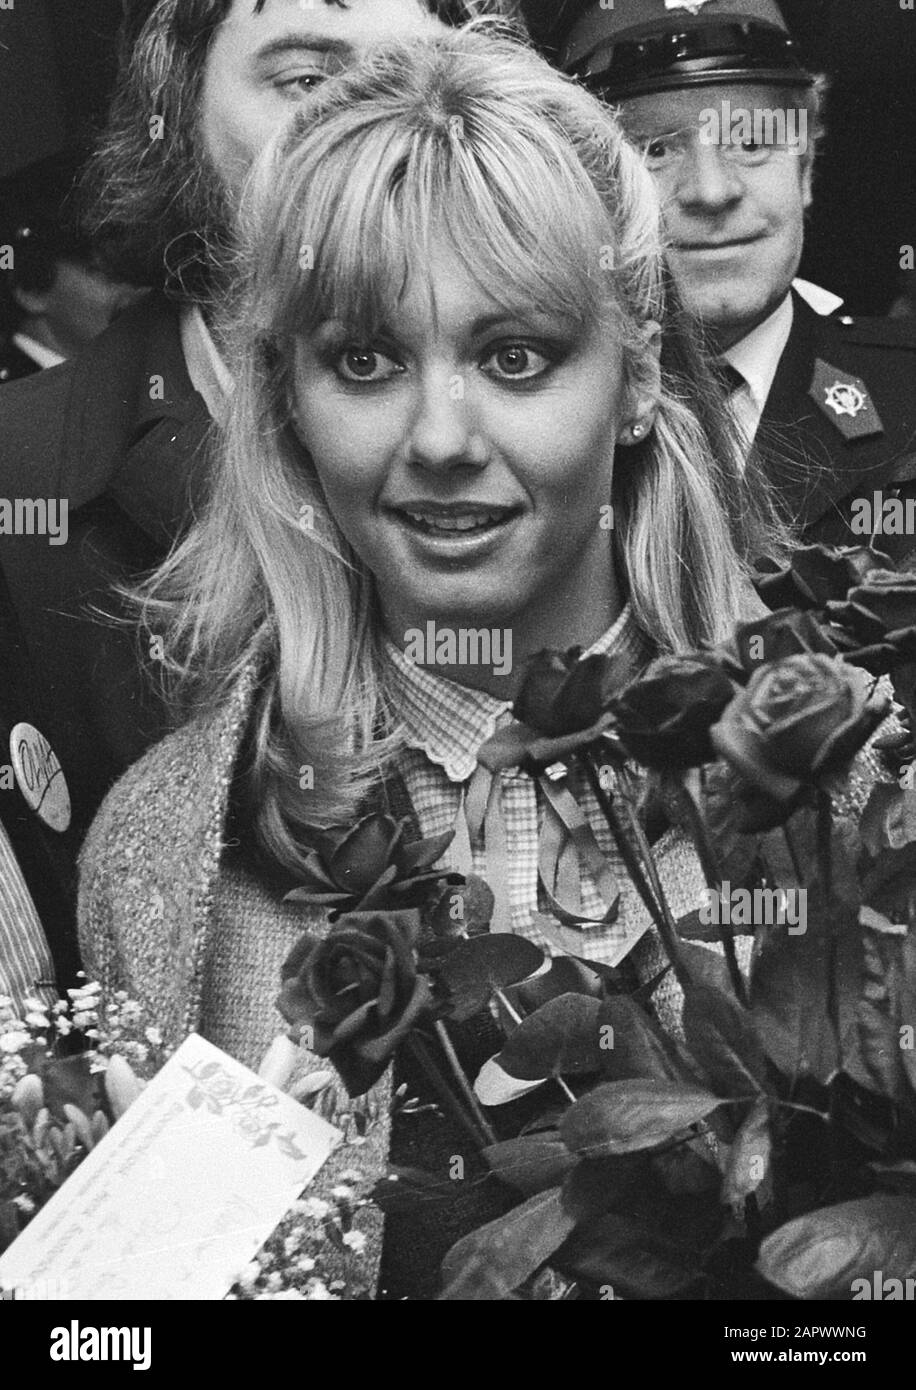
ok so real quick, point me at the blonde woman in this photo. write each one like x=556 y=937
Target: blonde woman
x=463 y=398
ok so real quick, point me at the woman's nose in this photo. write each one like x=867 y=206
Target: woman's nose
x=444 y=432
x=708 y=181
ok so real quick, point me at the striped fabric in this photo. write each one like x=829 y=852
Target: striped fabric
x=24 y=956
x=445 y=725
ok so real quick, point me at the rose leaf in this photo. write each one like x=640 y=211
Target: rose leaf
x=616 y=1252
x=477 y=968
x=750 y=1162
x=817 y=1256
x=562 y=1036
x=626 y=1116
x=491 y=1262
x=532 y=1163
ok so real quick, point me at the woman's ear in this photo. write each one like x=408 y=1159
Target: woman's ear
x=645 y=393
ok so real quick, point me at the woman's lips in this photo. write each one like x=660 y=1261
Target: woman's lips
x=454 y=528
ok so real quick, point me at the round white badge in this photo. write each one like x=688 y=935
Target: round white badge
x=40 y=776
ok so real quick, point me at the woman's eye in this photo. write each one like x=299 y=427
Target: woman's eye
x=366 y=365
x=516 y=362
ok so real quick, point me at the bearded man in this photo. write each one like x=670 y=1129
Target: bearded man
x=116 y=435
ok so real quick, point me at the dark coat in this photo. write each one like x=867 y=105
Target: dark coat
x=129 y=467
x=820 y=461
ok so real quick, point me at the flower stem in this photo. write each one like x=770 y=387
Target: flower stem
x=463 y=1084
x=627 y=854
x=712 y=874
x=825 y=866
x=654 y=898
x=424 y=1057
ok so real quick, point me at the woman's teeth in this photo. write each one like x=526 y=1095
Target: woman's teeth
x=470 y=522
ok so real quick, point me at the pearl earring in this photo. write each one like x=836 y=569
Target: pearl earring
x=637 y=431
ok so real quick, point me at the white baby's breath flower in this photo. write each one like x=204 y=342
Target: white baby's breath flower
x=37 y=1020
x=314 y=1207
x=318 y=1290
x=5 y=1001
x=31 y=1004
x=355 y=1241
x=250 y=1275
x=153 y=1036
x=289 y=1294
x=305 y=1265
x=64 y=1026
x=293 y=1242
x=14 y=1041
x=354 y=1176
x=342 y=1193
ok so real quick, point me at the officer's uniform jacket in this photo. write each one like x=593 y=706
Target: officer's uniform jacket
x=840 y=422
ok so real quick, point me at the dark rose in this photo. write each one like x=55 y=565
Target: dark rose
x=663 y=719
x=880 y=610
x=565 y=693
x=368 y=865
x=358 y=990
x=773 y=638
x=818 y=574
x=798 y=722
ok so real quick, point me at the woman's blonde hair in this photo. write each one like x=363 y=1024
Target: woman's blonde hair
x=473 y=137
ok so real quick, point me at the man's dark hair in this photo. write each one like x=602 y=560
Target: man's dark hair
x=142 y=196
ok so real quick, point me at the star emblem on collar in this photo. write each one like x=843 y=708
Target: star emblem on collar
x=845 y=398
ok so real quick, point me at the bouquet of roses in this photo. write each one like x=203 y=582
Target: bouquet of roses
x=767 y=1146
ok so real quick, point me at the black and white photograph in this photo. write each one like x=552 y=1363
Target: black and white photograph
x=458 y=681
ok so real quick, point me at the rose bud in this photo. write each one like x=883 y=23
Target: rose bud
x=798 y=722
x=663 y=719
x=818 y=574
x=358 y=990
x=773 y=638
x=881 y=609
x=368 y=865
x=564 y=692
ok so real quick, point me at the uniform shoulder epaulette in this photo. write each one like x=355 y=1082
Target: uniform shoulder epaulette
x=875 y=332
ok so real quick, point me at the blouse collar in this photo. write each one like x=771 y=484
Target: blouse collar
x=448 y=722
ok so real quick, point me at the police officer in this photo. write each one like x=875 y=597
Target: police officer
x=729 y=117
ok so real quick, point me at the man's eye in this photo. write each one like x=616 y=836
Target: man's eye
x=359 y=364
x=660 y=150
x=300 y=84
x=516 y=362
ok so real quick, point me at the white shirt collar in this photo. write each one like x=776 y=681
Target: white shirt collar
x=207 y=370
x=823 y=302
x=42 y=356
x=757 y=355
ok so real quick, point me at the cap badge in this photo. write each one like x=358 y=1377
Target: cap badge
x=845 y=398
x=694 y=6
x=40 y=776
